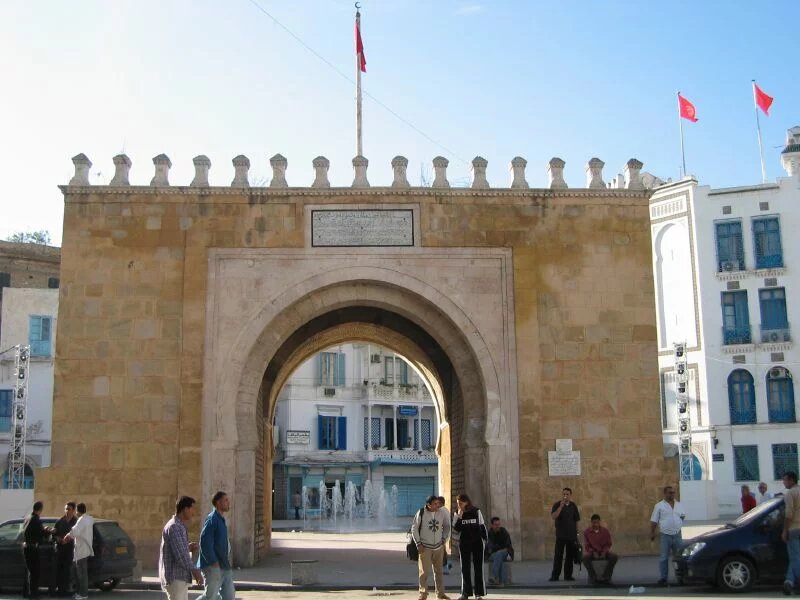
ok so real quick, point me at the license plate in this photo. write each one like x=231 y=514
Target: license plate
x=122 y=550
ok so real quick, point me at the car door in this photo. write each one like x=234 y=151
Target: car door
x=767 y=547
x=12 y=564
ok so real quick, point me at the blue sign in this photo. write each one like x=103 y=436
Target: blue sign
x=408 y=411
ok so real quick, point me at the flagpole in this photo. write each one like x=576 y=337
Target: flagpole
x=680 y=127
x=758 y=128
x=359 y=147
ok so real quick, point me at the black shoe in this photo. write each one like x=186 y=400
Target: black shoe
x=569 y=579
x=787 y=588
x=553 y=579
x=661 y=582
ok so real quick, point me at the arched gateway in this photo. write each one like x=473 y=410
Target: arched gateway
x=183 y=310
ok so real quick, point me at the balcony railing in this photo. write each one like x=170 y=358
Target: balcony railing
x=728 y=265
x=737 y=335
x=769 y=261
x=399 y=392
x=405 y=457
x=775 y=335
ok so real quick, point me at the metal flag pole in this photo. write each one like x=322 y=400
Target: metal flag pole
x=758 y=127
x=359 y=146
x=680 y=127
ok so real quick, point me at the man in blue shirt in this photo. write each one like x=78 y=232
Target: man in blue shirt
x=214 y=558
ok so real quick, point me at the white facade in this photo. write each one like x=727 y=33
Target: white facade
x=727 y=279
x=28 y=317
x=355 y=412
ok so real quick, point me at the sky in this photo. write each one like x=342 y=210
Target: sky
x=574 y=79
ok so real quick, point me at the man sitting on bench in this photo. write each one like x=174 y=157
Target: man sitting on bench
x=597 y=547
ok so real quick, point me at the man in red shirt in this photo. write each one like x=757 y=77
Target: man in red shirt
x=748 y=500
x=597 y=546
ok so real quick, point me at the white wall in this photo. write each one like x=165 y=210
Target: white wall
x=16 y=504
x=18 y=305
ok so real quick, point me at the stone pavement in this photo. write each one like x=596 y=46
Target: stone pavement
x=377 y=560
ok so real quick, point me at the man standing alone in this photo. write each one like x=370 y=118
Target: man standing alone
x=214 y=558
x=65 y=550
x=82 y=535
x=175 y=568
x=791 y=531
x=566 y=516
x=668 y=516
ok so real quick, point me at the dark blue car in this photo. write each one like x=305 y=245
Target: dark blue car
x=741 y=553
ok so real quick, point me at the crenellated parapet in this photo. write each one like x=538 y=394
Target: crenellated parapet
x=241 y=166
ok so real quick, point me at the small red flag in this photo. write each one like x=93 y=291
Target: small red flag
x=763 y=101
x=687 y=109
x=360 y=49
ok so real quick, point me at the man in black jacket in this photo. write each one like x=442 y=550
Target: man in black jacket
x=566 y=516
x=498 y=550
x=65 y=549
x=35 y=534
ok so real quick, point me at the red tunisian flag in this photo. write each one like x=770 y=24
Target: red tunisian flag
x=687 y=109
x=360 y=48
x=763 y=101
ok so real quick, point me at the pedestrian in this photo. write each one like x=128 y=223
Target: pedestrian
x=35 y=534
x=498 y=550
x=791 y=531
x=214 y=559
x=430 y=530
x=65 y=550
x=82 y=534
x=471 y=527
x=668 y=516
x=597 y=546
x=297 y=503
x=763 y=494
x=747 y=499
x=566 y=515
x=445 y=515
x=175 y=567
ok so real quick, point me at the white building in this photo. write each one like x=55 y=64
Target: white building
x=727 y=279
x=355 y=413
x=28 y=318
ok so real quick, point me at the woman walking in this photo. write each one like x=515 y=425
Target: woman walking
x=472 y=529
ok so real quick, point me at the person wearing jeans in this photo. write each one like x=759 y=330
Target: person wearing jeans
x=498 y=549
x=791 y=531
x=83 y=536
x=214 y=559
x=668 y=516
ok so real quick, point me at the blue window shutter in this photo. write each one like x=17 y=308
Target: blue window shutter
x=5 y=409
x=340 y=370
x=341 y=432
x=39 y=335
x=319 y=368
x=321 y=434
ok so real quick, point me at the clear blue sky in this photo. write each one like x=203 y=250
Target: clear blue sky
x=539 y=79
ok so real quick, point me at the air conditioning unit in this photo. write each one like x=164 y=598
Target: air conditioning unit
x=773 y=337
x=776 y=373
x=728 y=265
x=330 y=391
x=375 y=359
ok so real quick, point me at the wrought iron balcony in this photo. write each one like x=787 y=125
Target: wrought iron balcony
x=403 y=457
x=737 y=335
x=728 y=265
x=775 y=335
x=769 y=261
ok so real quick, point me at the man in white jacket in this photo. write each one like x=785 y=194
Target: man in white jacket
x=431 y=530
x=82 y=534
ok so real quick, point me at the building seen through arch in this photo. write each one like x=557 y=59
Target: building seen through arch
x=351 y=414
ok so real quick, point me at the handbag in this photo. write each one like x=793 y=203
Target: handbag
x=412 y=553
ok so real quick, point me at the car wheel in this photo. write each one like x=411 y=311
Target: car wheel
x=736 y=574
x=107 y=585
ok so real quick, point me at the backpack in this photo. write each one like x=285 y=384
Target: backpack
x=412 y=553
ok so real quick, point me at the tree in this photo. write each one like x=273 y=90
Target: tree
x=31 y=237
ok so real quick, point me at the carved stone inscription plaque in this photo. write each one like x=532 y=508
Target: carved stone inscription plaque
x=337 y=228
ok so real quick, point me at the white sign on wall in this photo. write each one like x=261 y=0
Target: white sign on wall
x=564 y=461
x=298 y=437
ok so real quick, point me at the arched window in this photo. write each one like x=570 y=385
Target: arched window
x=780 y=396
x=28 y=482
x=741 y=397
x=691 y=469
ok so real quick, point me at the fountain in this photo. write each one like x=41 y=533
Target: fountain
x=350 y=501
x=336 y=502
x=374 y=509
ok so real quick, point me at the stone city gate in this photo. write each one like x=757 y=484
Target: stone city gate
x=183 y=310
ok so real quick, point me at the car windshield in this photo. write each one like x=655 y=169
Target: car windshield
x=756 y=513
x=108 y=530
